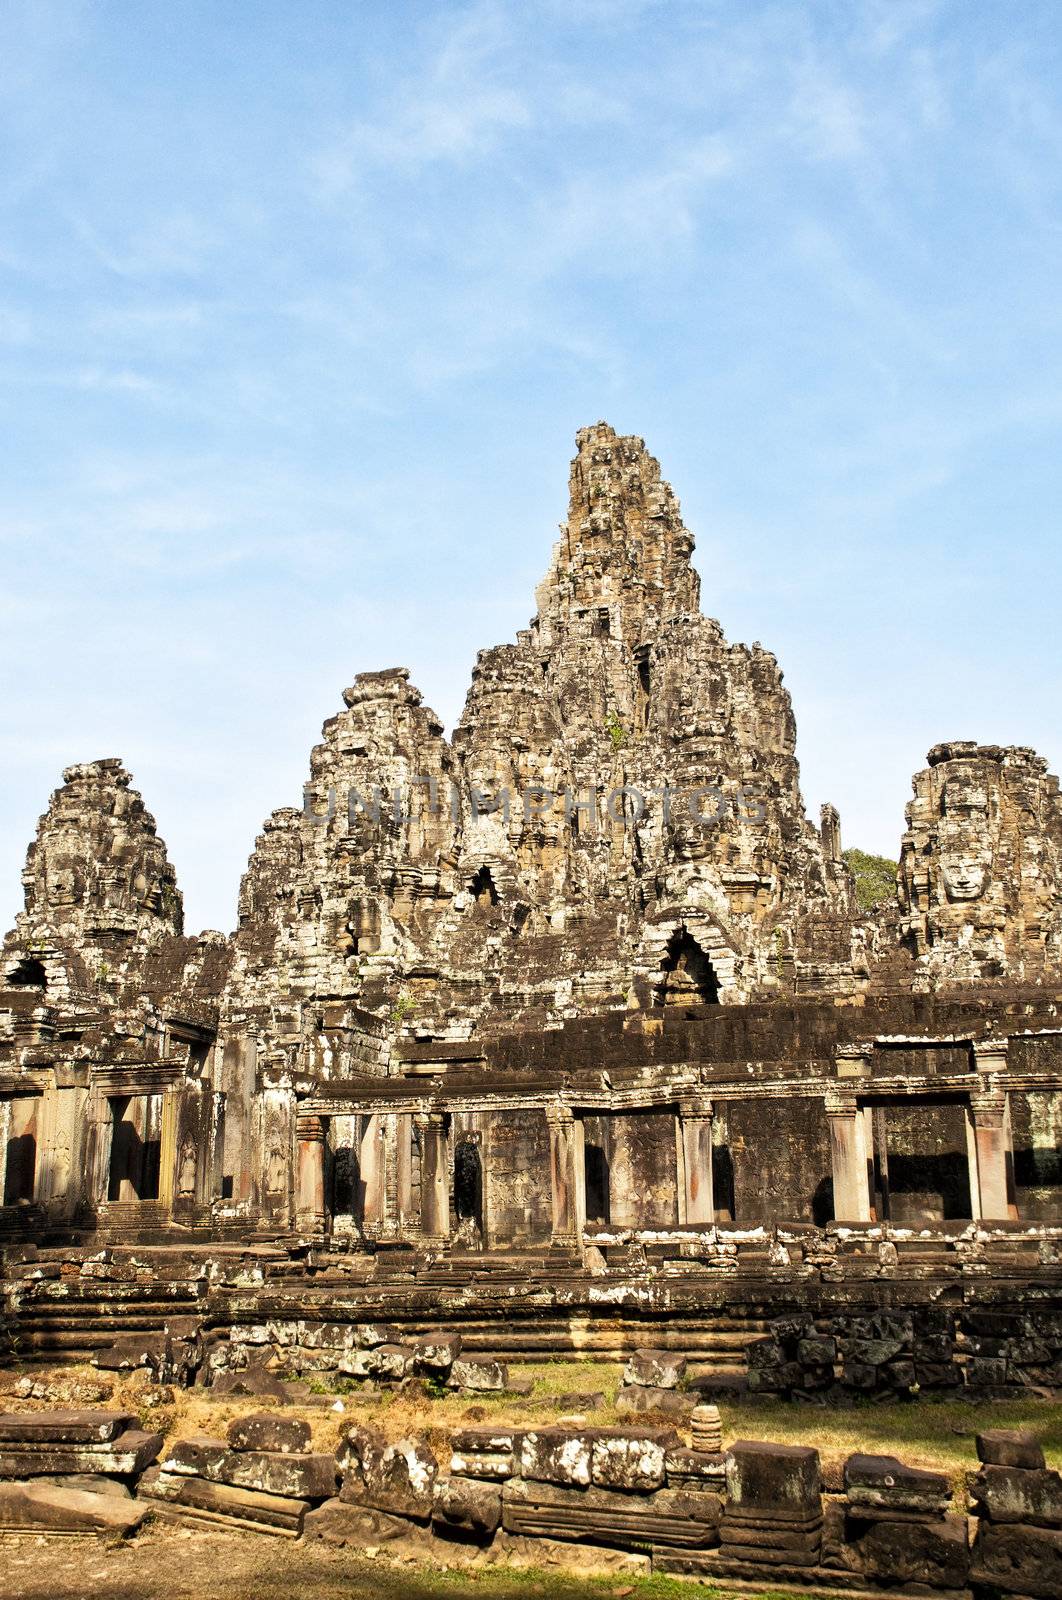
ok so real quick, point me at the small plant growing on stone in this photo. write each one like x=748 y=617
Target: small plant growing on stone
x=615 y=730
x=404 y=1006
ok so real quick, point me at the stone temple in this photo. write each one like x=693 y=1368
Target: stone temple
x=578 y=999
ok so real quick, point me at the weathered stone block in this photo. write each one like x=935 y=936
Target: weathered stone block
x=1016 y=1494
x=655 y=1369
x=984 y=1372
x=56 y=1508
x=881 y=1482
x=302 y=1477
x=555 y=1455
x=199 y=1498
x=1010 y=1447
x=817 y=1351
x=630 y=1461
x=124 y=1456
x=1019 y=1560
x=63 y=1427
x=481 y=1377
x=433 y=1358
x=264 y=1431
x=601 y=1516
x=776 y=1479
x=483 y=1453
x=389 y=1363
x=663 y=1402
x=687 y=1469
x=399 y=1479
x=935 y=1553
x=466 y=1506
x=338 y=1522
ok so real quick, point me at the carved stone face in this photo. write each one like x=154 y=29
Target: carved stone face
x=963 y=875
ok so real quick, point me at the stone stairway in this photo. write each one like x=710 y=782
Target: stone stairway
x=60 y=1319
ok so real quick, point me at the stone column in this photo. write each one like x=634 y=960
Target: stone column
x=567 y=1176
x=59 y=1158
x=407 y=1221
x=848 y=1150
x=99 y=1135
x=372 y=1164
x=988 y=1109
x=434 y=1175
x=696 y=1189
x=5 y=1134
x=310 y=1174
x=168 y=1149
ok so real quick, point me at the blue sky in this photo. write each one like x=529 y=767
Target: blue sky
x=302 y=304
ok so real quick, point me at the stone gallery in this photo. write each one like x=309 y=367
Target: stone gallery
x=580 y=989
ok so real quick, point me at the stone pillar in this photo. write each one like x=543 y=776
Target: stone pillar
x=434 y=1176
x=310 y=1174
x=989 y=1112
x=407 y=1220
x=99 y=1135
x=848 y=1150
x=59 y=1157
x=696 y=1189
x=373 y=1168
x=168 y=1150
x=5 y=1134
x=567 y=1176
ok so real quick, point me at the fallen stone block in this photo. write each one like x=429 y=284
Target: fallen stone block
x=465 y=1506
x=304 y=1477
x=694 y=1469
x=362 y=1528
x=604 y=1516
x=400 y=1480
x=936 y=1553
x=63 y=1427
x=93 y=1483
x=654 y=1369
x=480 y=1377
x=1010 y=1447
x=555 y=1455
x=780 y=1480
x=883 y=1482
x=254 y=1383
x=388 y=1363
x=264 y=1431
x=655 y=1402
x=1014 y=1494
x=203 y=1501
x=130 y=1453
x=633 y=1461
x=433 y=1358
x=51 y=1507
x=1018 y=1560
x=483 y=1453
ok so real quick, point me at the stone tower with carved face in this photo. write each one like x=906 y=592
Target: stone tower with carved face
x=981 y=864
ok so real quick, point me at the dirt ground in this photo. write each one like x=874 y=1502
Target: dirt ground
x=170 y=1563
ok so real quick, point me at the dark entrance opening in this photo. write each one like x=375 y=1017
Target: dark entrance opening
x=21 y=1175
x=483 y=891
x=136 y=1147
x=29 y=974
x=468 y=1183
x=596 y=1165
x=687 y=976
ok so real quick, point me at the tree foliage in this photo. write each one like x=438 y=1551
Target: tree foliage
x=875 y=878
